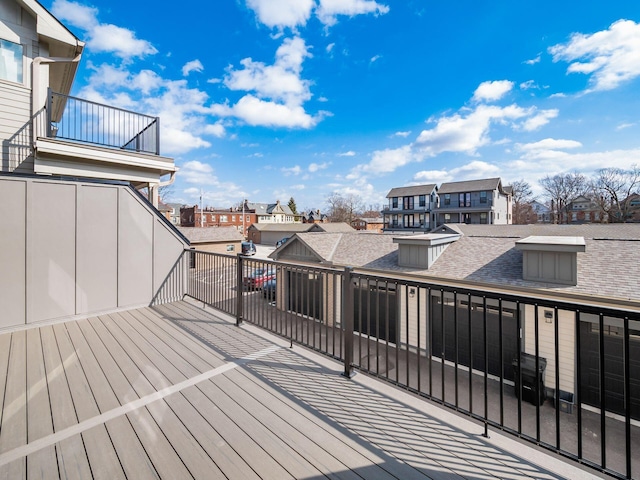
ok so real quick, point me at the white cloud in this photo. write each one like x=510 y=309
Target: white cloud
x=216 y=129
x=622 y=126
x=314 y=167
x=102 y=37
x=192 y=66
x=549 y=144
x=529 y=84
x=540 y=119
x=466 y=134
x=73 y=13
x=388 y=160
x=198 y=173
x=611 y=57
x=329 y=47
x=328 y=10
x=492 y=91
x=214 y=80
x=375 y=58
x=350 y=153
x=282 y=13
x=299 y=186
x=473 y=170
x=291 y=170
x=256 y=112
x=402 y=134
x=533 y=61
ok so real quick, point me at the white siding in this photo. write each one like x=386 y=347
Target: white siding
x=566 y=344
x=15 y=125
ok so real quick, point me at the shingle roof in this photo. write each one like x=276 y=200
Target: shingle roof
x=211 y=234
x=411 y=191
x=487 y=254
x=469 y=186
x=338 y=227
x=267 y=208
x=281 y=227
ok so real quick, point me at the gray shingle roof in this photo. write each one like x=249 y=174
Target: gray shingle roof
x=281 y=227
x=411 y=191
x=487 y=254
x=469 y=186
x=338 y=227
x=211 y=234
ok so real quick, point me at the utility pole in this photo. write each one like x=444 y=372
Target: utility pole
x=201 y=211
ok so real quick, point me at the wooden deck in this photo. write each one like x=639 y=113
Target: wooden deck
x=179 y=392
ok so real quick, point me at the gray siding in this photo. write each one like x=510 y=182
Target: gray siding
x=78 y=248
x=15 y=126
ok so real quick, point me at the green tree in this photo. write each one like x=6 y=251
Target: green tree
x=292 y=206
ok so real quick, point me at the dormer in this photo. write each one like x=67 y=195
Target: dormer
x=421 y=251
x=551 y=259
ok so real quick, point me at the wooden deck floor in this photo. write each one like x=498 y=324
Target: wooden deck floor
x=179 y=392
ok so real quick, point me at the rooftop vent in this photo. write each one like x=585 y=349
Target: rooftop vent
x=421 y=251
x=551 y=259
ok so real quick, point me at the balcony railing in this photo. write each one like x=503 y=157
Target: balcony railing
x=563 y=375
x=92 y=123
x=470 y=204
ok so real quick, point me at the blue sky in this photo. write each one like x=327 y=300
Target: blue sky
x=272 y=99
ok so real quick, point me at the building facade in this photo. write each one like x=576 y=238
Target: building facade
x=411 y=209
x=211 y=217
x=483 y=201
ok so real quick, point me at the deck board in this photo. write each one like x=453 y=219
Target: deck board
x=169 y=392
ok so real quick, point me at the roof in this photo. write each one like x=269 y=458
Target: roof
x=211 y=234
x=470 y=186
x=370 y=219
x=411 y=191
x=488 y=254
x=268 y=208
x=281 y=227
x=338 y=227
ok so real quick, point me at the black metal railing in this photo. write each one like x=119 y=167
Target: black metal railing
x=93 y=123
x=563 y=375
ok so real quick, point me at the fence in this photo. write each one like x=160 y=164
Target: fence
x=532 y=367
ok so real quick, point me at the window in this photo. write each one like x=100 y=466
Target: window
x=422 y=200
x=483 y=217
x=408 y=203
x=447 y=217
x=408 y=221
x=224 y=218
x=10 y=61
x=421 y=219
x=233 y=218
x=231 y=248
x=394 y=202
x=464 y=199
x=248 y=218
x=483 y=197
x=447 y=199
x=213 y=218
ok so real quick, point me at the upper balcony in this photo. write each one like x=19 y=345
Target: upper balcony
x=87 y=139
x=469 y=205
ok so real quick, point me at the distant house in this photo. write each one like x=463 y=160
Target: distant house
x=214 y=239
x=314 y=216
x=175 y=212
x=582 y=209
x=368 y=224
x=541 y=211
x=483 y=201
x=411 y=209
x=217 y=217
x=272 y=212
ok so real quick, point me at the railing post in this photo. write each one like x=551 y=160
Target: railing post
x=239 y=287
x=48 y=113
x=347 y=321
x=157 y=135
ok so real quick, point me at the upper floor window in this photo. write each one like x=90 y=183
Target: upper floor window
x=422 y=200
x=10 y=61
x=464 y=199
x=483 y=197
x=408 y=203
x=394 y=202
x=447 y=199
x=223 y=218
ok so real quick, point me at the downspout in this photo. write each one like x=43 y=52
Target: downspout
x=36 y=101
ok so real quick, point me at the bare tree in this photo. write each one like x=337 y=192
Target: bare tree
x=562 y=189
x=372 y=211
x=343 y=208
x=612 y=188
x=522 y=198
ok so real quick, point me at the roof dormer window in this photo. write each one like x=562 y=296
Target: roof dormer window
x=10 y=61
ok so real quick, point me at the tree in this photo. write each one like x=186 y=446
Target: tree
x=562 y=189
x=612 y=189
x=372 y=211
x=292 y=206
x=343 y=208
x=522 y=198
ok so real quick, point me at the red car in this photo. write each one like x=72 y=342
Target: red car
x=258 y=278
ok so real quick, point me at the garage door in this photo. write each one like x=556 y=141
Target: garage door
x=474 y=347
x=613 y=337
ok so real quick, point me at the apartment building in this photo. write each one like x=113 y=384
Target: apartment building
x=484 y=201
x=411 y=209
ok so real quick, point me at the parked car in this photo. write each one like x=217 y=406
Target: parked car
x=269 y=289
x=248 y=248
x=258 y=278
x=281 y=242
